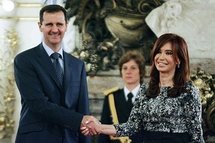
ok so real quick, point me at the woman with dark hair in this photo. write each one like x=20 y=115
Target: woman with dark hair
x=168 y=109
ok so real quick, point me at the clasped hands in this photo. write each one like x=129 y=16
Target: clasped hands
x=90 y=126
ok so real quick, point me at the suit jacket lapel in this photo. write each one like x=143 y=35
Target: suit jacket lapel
x=46 y=63
x=67 y=73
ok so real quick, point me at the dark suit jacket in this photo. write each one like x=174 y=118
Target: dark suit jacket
x=122 y=113
x=51 y=112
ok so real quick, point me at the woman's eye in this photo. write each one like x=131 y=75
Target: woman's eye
x=169 y=53
x=124 y=68
x=133 y=68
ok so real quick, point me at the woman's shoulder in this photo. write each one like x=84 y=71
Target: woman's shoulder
x=191 y=90
x=144 y=85
x=190 y=86
x=143 y=89
x=113 y=90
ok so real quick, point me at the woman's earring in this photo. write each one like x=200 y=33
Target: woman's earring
x=178 y=66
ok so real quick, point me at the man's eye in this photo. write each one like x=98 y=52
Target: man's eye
x=48 y=25
x=59 y=25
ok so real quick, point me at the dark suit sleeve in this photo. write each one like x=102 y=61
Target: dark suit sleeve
x=83 y=104
x=35 y=100
x=105 y=119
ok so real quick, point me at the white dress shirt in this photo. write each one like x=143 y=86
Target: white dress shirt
x=134 y=92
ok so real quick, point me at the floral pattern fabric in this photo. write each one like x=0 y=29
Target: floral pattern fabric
x=163 y=113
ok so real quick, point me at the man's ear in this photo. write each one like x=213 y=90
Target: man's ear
x=39 y=24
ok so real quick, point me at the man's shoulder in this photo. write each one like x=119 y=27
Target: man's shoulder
x=28 y=52
x=111 y=90
x=72 y=57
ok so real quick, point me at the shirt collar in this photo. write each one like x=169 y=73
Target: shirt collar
x=134 y=91
x=50 y=51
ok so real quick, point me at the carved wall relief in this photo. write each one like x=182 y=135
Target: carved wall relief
x=109 y=28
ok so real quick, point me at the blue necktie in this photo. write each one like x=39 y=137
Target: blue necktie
x=59 y=71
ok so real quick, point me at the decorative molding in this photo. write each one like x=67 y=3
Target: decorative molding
x=29 y=5
x=19 y=18
x=24 y=5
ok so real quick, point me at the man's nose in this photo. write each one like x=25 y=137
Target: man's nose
x=55 y=28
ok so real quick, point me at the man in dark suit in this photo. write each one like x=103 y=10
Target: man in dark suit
x=118 y=102
x=54 y=106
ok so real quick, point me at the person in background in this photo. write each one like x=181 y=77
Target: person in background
x=52 y=85
x=168 y=109
x=118 y=102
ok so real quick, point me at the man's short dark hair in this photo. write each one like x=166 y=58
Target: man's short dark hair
x=52 y=9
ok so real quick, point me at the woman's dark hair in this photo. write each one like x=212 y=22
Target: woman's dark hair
x=182 y=72
x=52 y=9
x=138 y=58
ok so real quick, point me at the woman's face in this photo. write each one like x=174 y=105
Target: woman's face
x=164 y=60
x=131 y=73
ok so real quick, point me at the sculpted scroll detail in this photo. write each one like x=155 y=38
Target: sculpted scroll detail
x=109 y=28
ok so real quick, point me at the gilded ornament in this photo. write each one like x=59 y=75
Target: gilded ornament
x=10 y=42
x=84 y=55
x=205 y=82
x=2 y=121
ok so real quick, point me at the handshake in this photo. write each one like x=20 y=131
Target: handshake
x=91 y=126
